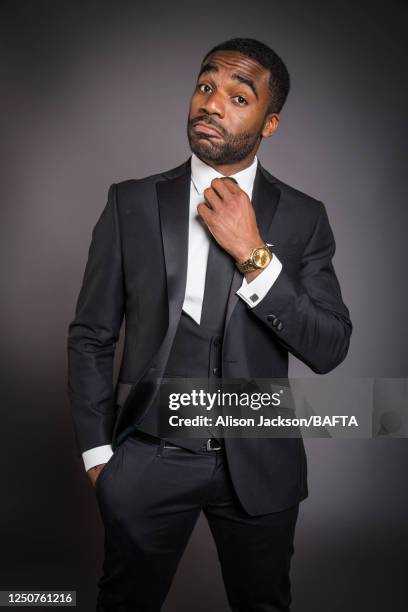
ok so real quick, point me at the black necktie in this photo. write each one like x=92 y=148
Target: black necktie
x=220 y=269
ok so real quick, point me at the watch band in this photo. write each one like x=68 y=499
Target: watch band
x=246 y=266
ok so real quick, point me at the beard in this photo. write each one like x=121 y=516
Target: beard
x=230 y=150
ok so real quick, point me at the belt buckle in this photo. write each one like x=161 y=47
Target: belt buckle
x=211 y=448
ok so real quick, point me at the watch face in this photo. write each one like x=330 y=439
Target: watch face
x=261 y=257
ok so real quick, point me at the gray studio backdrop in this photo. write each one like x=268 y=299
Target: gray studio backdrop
x=97 y=92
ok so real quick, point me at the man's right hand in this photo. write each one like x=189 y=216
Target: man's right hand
x=94 y=472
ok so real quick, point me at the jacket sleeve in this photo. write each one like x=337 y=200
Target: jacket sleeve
x=306 y=312
x=93 y=333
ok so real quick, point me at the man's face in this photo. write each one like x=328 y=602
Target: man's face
x=229 y=108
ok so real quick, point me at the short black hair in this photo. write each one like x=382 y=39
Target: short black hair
x=279 y=81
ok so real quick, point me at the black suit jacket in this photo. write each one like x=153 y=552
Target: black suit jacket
x=137 y=265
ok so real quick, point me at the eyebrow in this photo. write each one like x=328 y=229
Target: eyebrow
x=237 y=77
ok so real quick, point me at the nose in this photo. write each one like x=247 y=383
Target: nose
x=213 y=104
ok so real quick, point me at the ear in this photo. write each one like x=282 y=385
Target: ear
x=270 y=125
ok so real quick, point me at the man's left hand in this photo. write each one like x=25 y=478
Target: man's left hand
x=230 y=217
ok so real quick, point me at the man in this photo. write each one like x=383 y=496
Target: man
x=184 y=255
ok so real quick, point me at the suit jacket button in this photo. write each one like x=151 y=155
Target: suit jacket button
x=275 y=322
x=280 y=326
x=270 y=317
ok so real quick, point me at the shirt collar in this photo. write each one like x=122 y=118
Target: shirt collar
x=202 y=174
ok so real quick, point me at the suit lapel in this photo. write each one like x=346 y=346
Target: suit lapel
x=265 y=199
x=174 y=201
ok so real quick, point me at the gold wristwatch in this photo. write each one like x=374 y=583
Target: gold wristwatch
x=259 y=258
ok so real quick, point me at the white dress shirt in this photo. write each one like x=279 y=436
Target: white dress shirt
x=198 y=247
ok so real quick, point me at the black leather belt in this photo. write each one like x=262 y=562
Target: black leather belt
x=211 y=445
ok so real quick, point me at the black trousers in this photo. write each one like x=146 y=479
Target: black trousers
x=150 y=498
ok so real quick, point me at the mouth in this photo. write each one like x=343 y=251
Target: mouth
x=206 y=129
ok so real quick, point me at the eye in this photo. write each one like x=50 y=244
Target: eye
x=241 y=100
x=203 y=87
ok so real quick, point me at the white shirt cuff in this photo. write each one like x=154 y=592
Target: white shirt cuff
x=252 y=293
x=97 y=455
